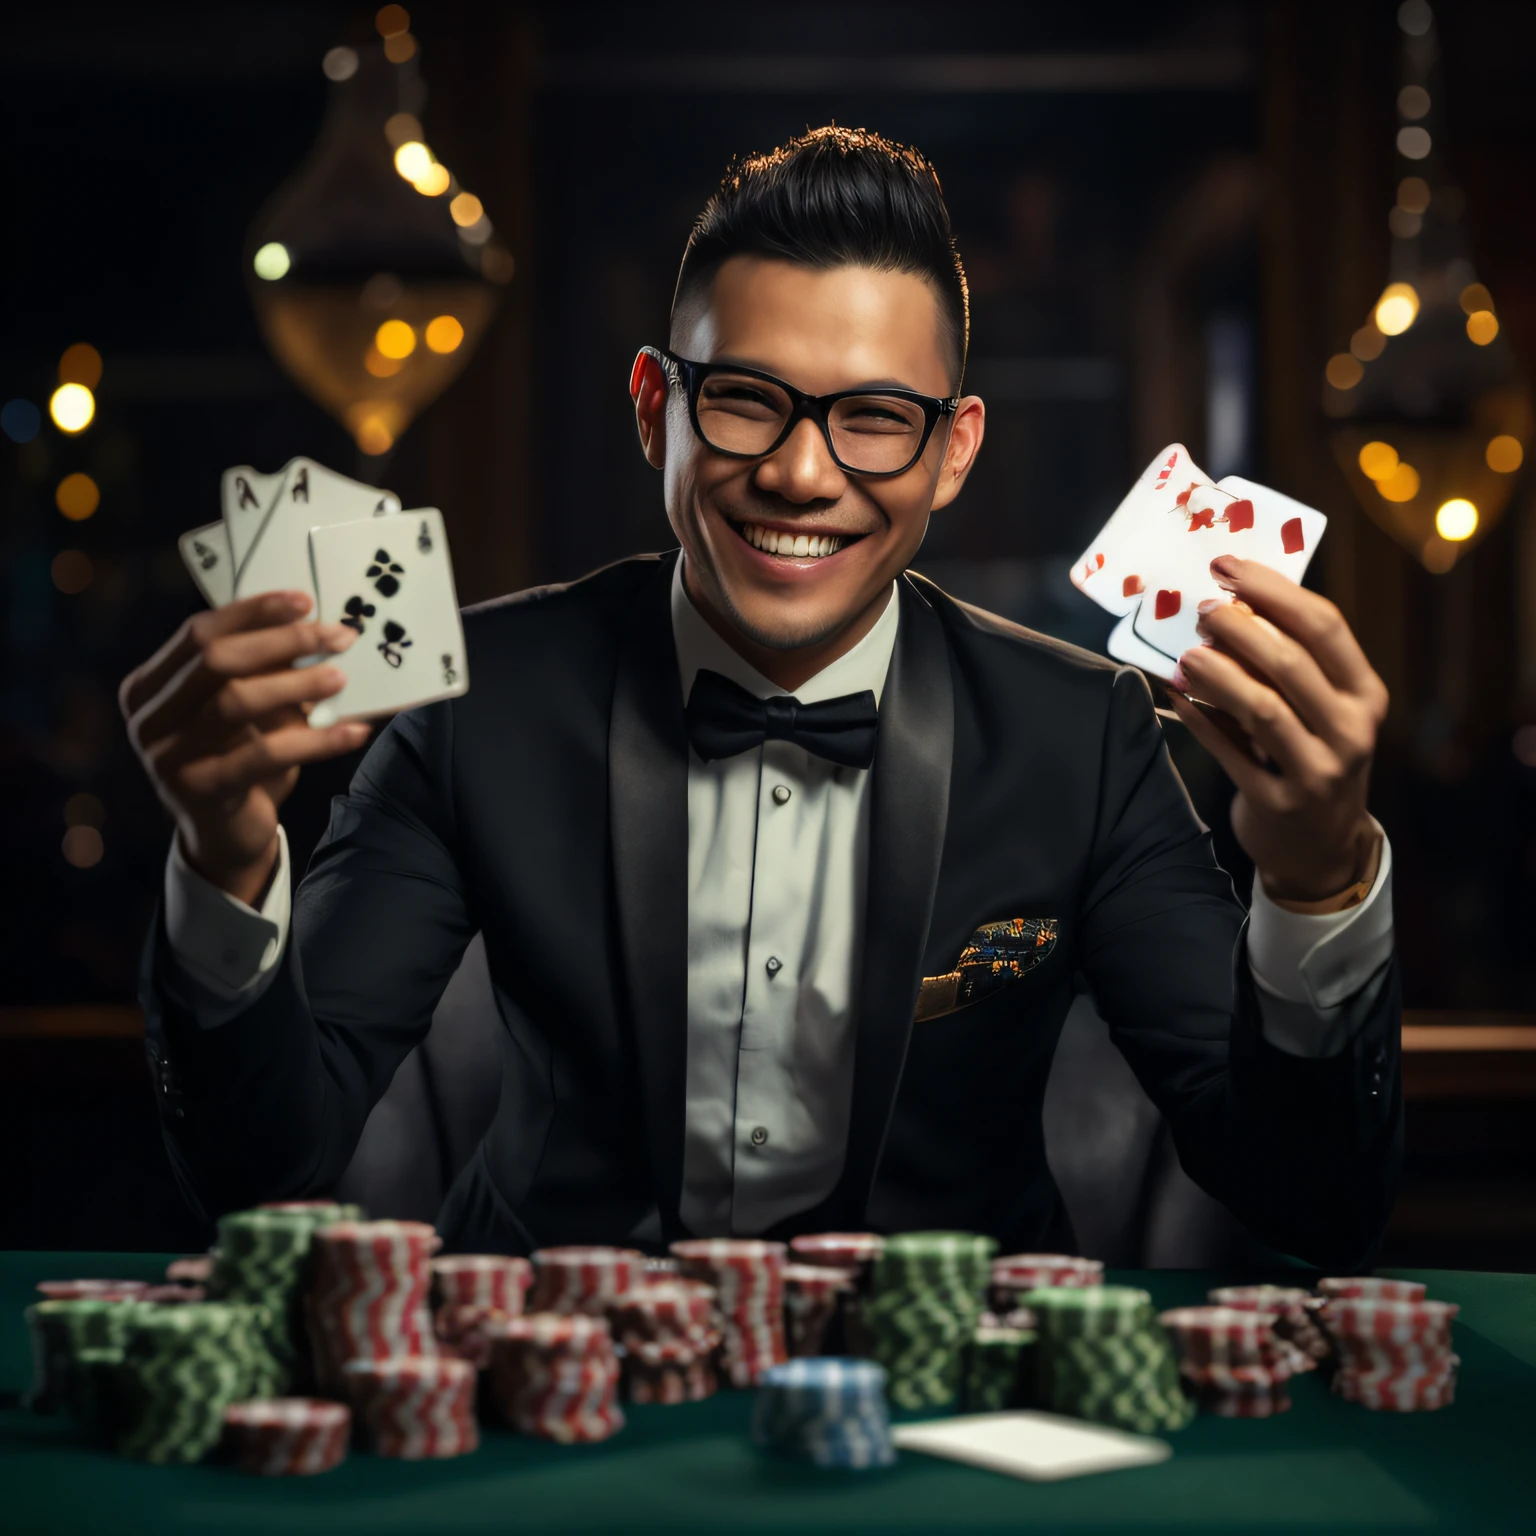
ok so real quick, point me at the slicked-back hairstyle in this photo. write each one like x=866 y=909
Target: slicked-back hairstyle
x=835 y=197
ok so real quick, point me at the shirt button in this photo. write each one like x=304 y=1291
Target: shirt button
x=775 y=965
x=780 y=793
x=759 y=1135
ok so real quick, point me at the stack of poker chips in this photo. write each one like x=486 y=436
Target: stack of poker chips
x=287 y=1436
x=1303 y=1342
x=812 y=1294
x=583 y=1279
x=667 y=1334
x=1103 y=1357
x=1394 y=1356
x=844 y=1250
x=926 y=1297
x=556 y=1376
x=63 y=1330
x=1017 y=1273
x=1231 y=1361
x=470 y=1292
x=748 y=1277
x=1000 y=1362
x=370 y=1298
x=830 y=1412
x=414 y=1408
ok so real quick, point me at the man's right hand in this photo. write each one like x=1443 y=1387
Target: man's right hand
x=218 y=717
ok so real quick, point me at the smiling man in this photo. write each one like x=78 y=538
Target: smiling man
x=787 y=863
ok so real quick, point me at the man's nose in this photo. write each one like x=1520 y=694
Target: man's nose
x=802 y=470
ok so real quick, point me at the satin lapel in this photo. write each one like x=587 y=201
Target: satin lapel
x=648 y=811
x=908 y=813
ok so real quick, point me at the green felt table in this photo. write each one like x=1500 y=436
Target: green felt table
x=1324 y=1466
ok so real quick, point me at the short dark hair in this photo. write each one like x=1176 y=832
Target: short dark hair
x=835 y=197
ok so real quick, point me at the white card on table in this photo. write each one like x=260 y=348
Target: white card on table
x=244 y=498
x=1112 y=569
x=205 y=553
x=1239 y=518
x=1042 y=1447
x=311 y=496
x=391 y=580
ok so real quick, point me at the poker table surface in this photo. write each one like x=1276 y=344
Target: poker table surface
x=1324 y=1466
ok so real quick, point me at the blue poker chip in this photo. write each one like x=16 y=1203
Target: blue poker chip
x=830 y=1412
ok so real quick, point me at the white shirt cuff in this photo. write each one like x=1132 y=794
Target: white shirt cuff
x=1319 y=962
x=227 y=951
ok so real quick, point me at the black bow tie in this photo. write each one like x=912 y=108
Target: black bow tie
x=724 y=719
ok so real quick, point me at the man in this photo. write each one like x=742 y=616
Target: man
x=784 y=859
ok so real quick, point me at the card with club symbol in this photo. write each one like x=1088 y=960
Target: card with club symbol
x=205 y=552
x=391 y=580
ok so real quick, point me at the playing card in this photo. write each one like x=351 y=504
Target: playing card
x=311 y=496
x=391 y=580
x=245 y=497
x=1236 y=517
x=205 y=551
x=1124 y=644
x=1112 y=569
x=1042 y=1447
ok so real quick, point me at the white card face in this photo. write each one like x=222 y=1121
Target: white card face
x=244 y=498
x=205 y=552
x=1124 y=644
x=391 y=579
x=311 y=496
x=1112 y=569
x=1042 y=1447
x=1239 y=518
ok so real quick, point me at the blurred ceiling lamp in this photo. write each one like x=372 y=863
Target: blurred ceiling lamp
x=1432 y=417
x=358 y=255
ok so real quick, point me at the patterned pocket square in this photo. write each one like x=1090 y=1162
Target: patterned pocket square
x=997 y=954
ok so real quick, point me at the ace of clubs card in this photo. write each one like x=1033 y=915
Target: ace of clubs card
x=245 y=497
x=391 y=580
x=205 y=553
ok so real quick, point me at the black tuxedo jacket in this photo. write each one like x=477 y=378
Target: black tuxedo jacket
x=1014 y=777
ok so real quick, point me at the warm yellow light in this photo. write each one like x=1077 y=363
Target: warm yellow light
x=1368 y=343
x=373 y=435
x=434 y=181
x=1397 y=308
x=379 y=366
x=71 y=571
x=413 y=160
x=401 y=128
x=1482 y=327
x=1343 y=371
x=1378 y=460
x=1456 y=520
x=72 y=406
x=1475 y=297
x=1401 y=485
x=395 y=339
x=271 y=261
x=444 y=333
x=77 y=497
x=399 y=48
x=466 y=209
x=80 y=364
x=1413 y=194
x=1504 y=454
x=392 y=20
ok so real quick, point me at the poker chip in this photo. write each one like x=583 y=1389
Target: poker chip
x=1016 y=1273
x=1305 y=1343
x=926 y=1295
x=369 y=1298
x=325 y=1212
x=830 y=1412
x=92 y=1290
x=748 y=1278
x=465 y=1332
x=673 y=1311
x=812 y=1293
x=1222 y=1339
x=481 y=1280
x=193 y=1271
x=838 y=1250
x=999 y=1365
x=556 y=1376
x=287 y=1436
x=583 y=1279
x=1415 y=1390
x=1395 y=1356
x=1371 y=1288
x=60 y=1330
x=655 y=1371
x=413 y=1408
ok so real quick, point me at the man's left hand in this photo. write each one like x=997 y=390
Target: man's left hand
x=1290 y=708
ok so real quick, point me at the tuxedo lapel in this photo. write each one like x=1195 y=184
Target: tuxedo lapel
x=648 y=809
x=908 y=813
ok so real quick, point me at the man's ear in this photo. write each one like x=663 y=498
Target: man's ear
x=648 y=389
x=960 y=452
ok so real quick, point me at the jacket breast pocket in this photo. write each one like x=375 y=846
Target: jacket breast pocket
x=996 y=956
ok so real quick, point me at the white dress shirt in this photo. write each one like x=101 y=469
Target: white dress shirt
x=778 y=848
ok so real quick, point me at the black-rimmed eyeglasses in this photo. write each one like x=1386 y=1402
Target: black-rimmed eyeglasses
x=746 y=414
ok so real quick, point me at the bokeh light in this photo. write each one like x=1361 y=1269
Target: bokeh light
x=1343 y=371
x=83 y=847
x=1368 y=343
x=1436 y=556
x=1482 y=326
x=413 y=160
x=379 y=366
x=20 y=420
x=1401 y=485
x=71 y=571
x=1378 y=460
x=395 y=339
x=72 y=406
x=399 y=48
x=401 y=128
x=444 y=333
x=1505 y=454
x=77 y=497
x=466 y=209
x=373 y=435
x=80 y=364
x=1397 y=308
x=434 y=181
x=1456 y=519
x=1413 y=194
x=1404 y=225
x=340 y=64
x=392 y=20
x=1475 y=297
x=1413 y=101
x=1415 y=17
x=1414 y=143
x=84 y=810
x=272 y=261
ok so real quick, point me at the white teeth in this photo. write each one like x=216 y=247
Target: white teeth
x=802 y=546
x=799 y=546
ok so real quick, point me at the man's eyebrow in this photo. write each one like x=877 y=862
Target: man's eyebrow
x=731 y=360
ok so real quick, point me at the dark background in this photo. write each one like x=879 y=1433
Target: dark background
x=1171 y=216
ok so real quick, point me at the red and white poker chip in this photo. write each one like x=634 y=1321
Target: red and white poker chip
x=481 y=1280
x=1371 y=1288
x=748 y=1276
x=582 y=1278
x=414 y=1408
x=1223 y=1338
x=556 y=1376
x=838 y=1250
x=287 y=1436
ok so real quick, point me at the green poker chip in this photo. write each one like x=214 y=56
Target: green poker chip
x=998 y=1369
